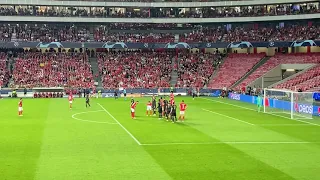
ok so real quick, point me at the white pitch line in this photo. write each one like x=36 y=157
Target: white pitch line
x=256 y=111
x=135 y=139
x=91 y=121
x=229 y=117
x=284 y=125
x=230 y=142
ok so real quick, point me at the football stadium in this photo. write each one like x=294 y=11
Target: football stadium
x=159 y=90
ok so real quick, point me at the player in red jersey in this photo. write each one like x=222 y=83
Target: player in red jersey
x=70 y=98
x=171 y=95
x=133 y=107
x=149 y=108
x=183 y=108
x=20 y=108
x=171 y=98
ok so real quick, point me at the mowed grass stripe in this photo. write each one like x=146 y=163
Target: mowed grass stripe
x=173 y=159
x=302 y=133
x=21 y=138
x=297 y=160
x=219 y=161
x=82 y=150
x=150 y=129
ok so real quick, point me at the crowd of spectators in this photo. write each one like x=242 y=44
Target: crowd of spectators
x=295 y=33
x=285 y=33
x=135 y=69
x=195 y=69
x=4 y=72
x=146 y=26
x=51 y=33
x=52 y=70
x=248 y=34
x=104 y=36
x=129 y=12
x=157 y=33
x=204 y=34
x=5 y=32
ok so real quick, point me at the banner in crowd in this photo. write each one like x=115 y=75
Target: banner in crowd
x=122 y=45
x=280 y=104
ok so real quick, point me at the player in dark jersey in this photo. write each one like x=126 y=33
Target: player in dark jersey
x=168 y=113
x=160 y=108
x=154 y=105
x=173 y=113
x=87 y=101
x=115 y=94
x=165 y=106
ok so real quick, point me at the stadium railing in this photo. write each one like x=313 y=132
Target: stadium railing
x=138 y=92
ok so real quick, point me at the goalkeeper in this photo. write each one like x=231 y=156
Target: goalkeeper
x=259 y=103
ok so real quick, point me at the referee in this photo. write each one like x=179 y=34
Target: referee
x=87 y=101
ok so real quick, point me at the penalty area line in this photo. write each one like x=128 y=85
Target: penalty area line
x=230 y=142
x=250 y=109
x=135 y=139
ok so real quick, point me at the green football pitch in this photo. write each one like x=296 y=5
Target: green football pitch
x=221 y=139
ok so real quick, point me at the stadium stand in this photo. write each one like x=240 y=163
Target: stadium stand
x=277 y=60
x=295 y=32
x=51 y=33
x=135 y=32
x=135 y=69
x=133 y=37
x=248 y=34
x=4 y=72
x=206 y=34
x=194 y=70
x=165 y=12
x=234 y=67
x=52 y=70
x=305 y=81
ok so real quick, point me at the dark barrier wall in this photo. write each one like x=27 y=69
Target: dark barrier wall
x=120 y=45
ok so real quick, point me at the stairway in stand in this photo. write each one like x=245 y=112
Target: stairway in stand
x=255 y=67
x=174 y=73
x=95 y=71
x=215 y=72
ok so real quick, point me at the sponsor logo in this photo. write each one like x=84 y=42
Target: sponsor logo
x=305 y=109
x=177 y=45
x=116 y=45
x=242 y=44
x=16 y=44
x=50 y=45
x=271 y=44
x=303 y=43
x=235 y=96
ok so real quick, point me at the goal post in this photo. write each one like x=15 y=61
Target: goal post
x=290 y=104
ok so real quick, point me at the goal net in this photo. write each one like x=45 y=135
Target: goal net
x=290 y=104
